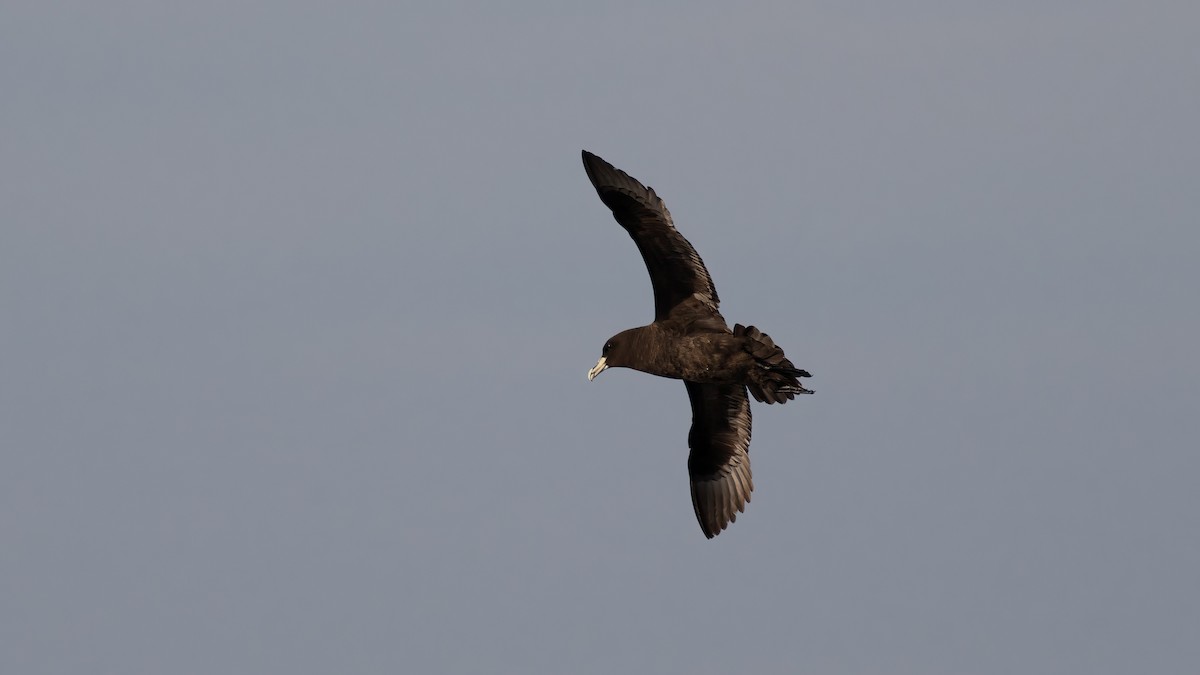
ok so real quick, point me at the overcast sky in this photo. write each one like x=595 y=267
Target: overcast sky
x=297 y=301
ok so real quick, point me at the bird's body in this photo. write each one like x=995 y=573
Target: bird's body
x=690 y=340
x=723 y=357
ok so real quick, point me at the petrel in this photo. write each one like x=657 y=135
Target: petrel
x=690 y=341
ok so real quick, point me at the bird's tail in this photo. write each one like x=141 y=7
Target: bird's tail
x=775 y=380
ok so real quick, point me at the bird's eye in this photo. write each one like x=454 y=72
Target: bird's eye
x=607 y=347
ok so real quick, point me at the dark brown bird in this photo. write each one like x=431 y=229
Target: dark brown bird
x=690 y=341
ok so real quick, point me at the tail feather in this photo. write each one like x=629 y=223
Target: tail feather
x=777 y=379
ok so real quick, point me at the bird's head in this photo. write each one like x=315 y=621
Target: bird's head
x=616 y=352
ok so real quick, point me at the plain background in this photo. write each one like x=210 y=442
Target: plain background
x=298 y=300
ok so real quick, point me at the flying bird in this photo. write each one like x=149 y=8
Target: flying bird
x=690 y=341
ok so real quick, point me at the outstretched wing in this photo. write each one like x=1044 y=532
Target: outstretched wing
x=676 y=270
x=719 y=463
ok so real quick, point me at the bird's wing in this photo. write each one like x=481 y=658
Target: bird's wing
x=676 y=270
x=719 y=463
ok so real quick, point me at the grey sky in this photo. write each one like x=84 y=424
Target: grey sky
x=298 y=300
